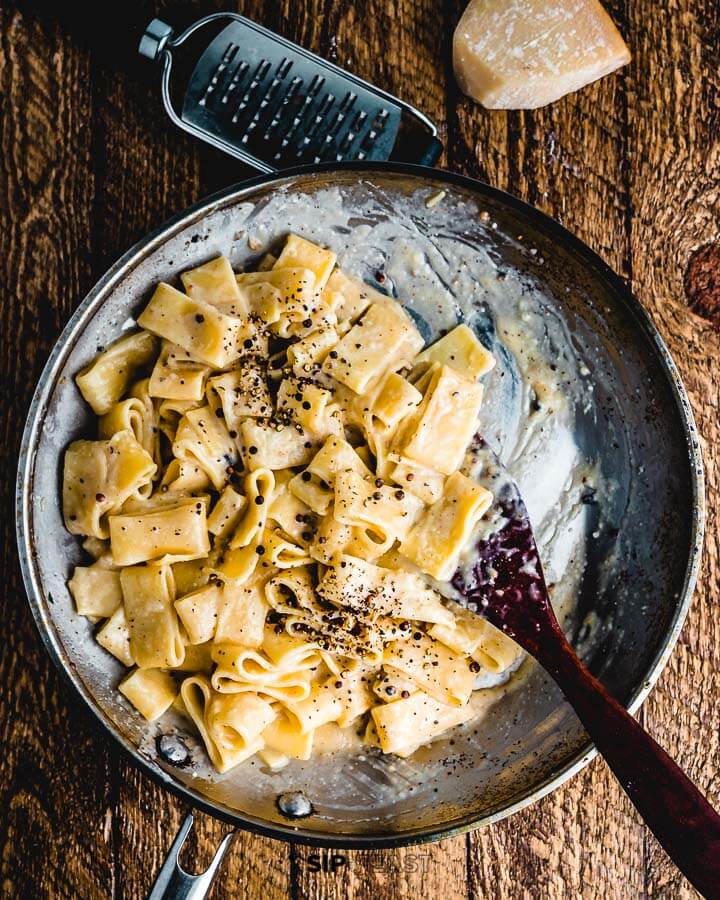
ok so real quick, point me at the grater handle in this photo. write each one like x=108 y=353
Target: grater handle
x=154 y=39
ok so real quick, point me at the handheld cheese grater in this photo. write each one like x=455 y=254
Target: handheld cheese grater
x=273 y=105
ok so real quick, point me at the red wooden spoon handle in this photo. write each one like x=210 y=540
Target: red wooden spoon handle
x=673 y=808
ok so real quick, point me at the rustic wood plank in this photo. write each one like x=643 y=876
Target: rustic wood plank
x=146 y=170
x=47 y=191
x=674 y=130
x=568 y=160
x=432 y=871
x=582 y=840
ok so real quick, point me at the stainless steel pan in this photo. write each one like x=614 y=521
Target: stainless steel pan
x=642 y=557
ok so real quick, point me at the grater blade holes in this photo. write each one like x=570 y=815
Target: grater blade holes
x=342 y=113
x=273 y=94
x=225 y=60
x=259 y=74
x=282 y=107
x=315 y=126
x=302 y=110
x=238 y=75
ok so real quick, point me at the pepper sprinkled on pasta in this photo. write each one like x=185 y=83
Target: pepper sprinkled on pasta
x=278 y=477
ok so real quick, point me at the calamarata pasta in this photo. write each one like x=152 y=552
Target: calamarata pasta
x=278 y=480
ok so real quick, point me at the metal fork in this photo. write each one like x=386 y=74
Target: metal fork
x=174 y=883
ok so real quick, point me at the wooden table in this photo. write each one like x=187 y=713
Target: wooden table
x=89 y=163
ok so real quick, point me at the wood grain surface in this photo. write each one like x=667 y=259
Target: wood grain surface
x=89 y=163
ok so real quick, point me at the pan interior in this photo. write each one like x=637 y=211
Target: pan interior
x=538 y=299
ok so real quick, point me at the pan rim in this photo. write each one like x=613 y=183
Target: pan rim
x=88 y=308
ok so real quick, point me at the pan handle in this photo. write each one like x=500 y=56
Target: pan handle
x=174 y=883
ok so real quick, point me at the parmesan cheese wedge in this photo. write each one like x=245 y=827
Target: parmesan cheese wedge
x=522 y=54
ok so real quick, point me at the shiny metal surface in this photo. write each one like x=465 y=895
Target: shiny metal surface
x=174 y=883
x=231 y=136
x=641 y=434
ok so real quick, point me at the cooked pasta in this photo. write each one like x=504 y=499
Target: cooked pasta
x=279 y=480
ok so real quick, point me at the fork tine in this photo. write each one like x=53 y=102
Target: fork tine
x=174 y=883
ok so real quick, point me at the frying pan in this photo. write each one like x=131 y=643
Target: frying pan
x=641 y=556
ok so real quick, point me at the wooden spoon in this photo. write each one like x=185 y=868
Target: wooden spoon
x=506 y=585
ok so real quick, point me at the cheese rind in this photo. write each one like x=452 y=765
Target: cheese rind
x=522 y=54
